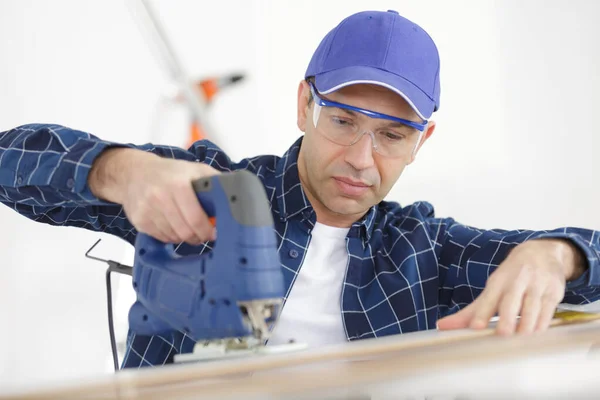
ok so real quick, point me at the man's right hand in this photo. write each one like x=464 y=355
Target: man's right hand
x=156 y=193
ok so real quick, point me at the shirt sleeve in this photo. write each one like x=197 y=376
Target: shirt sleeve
x=44 y=171
x=467 y=256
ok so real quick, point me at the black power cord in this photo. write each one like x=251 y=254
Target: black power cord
x=113 y=266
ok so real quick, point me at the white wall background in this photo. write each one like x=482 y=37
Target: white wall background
x=514 y=147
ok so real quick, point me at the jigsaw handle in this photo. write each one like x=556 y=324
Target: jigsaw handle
x=197 y=294
x=243 y=193
x=237 y=197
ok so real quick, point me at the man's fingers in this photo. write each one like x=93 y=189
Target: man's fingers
x=154 y=215
x=509 y=308
x=194 y=214
x=171 y=214
x=159 y=228
x=529 y=313
x=487 y=305
x=459 y=320
x=548 y=308
x=510 y=305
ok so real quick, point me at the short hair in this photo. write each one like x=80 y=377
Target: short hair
x=310 y=80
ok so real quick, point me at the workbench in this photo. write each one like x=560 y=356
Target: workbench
x=563 y=362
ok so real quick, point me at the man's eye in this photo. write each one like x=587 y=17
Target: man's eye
x=340 y=122
x=393 y=137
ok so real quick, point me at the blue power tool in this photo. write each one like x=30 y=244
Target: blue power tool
x=233 y=291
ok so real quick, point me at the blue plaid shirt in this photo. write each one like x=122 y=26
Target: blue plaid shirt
x=406 y=269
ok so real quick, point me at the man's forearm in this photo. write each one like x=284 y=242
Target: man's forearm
x=113 y=169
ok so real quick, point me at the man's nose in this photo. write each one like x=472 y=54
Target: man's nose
x=360 y=154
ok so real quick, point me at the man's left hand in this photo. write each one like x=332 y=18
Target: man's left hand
x=530 y=282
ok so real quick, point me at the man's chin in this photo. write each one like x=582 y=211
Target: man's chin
x=345 y=206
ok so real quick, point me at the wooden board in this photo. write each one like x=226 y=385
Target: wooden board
x=345 y=367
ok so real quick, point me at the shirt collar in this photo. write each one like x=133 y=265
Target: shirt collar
x=292 y=199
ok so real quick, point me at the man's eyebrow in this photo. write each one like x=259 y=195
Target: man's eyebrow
x=349 y=112
x=409 y=130
x=394 y=124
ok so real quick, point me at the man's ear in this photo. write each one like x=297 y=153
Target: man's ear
x=426 y=135
x=303 y=97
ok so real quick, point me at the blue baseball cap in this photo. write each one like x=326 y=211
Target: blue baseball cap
x=380 y=48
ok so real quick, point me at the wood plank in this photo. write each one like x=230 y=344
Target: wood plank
x=333 y=368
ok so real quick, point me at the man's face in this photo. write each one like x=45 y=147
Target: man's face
x=343 y=182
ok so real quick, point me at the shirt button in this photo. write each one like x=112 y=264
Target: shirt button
x=293 y=253
x=19 y=180
x=70 y=183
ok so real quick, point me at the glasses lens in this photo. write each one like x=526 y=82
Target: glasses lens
x=337 y=125
x=391 y=139
x=397 y=141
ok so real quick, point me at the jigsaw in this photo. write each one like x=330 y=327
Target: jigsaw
x=226 y=299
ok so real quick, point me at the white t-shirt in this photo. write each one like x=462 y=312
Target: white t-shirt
x=311 y=313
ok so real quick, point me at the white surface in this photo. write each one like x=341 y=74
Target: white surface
x=514 y=144
x=311 y=314
x=549 y=377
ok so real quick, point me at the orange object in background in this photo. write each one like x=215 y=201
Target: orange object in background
x=209 y=87
x=196 y=133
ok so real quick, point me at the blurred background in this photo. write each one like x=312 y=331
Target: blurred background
x=514 y=146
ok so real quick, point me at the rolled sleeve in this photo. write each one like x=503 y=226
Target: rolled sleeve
x=70 y=177
x=46 y=165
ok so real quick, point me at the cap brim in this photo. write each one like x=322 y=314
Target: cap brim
x=331 y=81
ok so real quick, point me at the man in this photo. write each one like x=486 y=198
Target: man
x=355 y=266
